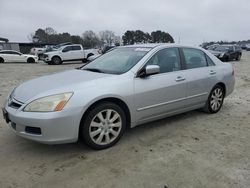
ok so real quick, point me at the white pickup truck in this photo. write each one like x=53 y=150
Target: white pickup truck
x=73 y=52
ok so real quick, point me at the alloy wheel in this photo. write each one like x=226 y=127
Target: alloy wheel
x=216 y=99
x=105 y=127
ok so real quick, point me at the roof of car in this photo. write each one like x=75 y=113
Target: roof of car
x=9 y=51
x=154 y=45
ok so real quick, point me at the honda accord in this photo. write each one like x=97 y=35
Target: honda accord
x=128 y=86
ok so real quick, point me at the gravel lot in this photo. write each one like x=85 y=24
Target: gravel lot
x=190 y=150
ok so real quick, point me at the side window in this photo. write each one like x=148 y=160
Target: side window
x=209 y=61
x=194 y=58
x=66 y=49
x=15 y=53
x=76 y=48
x=168 y=60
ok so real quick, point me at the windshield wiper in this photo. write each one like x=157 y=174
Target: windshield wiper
x=94 y=70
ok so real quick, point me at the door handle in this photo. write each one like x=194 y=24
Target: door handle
x=179 y=79
x=212 y=72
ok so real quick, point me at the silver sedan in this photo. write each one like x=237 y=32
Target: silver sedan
x=123 y=88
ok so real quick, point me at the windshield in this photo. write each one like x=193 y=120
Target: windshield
x=222 y=48
x=117 y=61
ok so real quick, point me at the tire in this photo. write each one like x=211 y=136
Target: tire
x=106 y=131
x=238 y=57
x=215 y=100
x=84 y=60
x=1 y=60
x=56 y=60
x=89 y=55
x=30 y=60
x=226 y=59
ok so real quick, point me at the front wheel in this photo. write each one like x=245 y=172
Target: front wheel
x=1 y=60
x=103 y=125
x=238 y=57
x=215 y=100
x=56 y=60
x=30 y=60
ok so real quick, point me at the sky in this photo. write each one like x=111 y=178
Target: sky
x=190 y=22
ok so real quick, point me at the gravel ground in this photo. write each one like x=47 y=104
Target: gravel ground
x=190 y=150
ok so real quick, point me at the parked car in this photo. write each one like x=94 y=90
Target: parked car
x=7 y=56
x=50 y=48
x=107 y=48
x=37 y=51
x=126 y=87
x=68 y=53
x=248 y=47
x=227 y=52
x=212 y=47
x=243 y=46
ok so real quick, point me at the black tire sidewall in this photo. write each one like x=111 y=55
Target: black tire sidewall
x=1 y=60
x=53 y=60
x=91 y=114
x=30 y=60
x=209 y=100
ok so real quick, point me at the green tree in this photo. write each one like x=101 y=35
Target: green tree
x=128 y=37
x=161 y=37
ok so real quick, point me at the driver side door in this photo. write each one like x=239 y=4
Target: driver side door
x=160 y=94
x=67 y=53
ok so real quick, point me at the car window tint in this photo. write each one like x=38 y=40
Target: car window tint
x=14 y=53
x=5 y=52
x=167 y=59
x=194 y=58
x=76 y=48
x=209 y=61
x=68 y=48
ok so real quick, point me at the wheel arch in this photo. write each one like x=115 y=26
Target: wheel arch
x=1 y=58
x=56 y=56
x=223 y=86
x=89 y=54
x=114 y=100
x=31 y=58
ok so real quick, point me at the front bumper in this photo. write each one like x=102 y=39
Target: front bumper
x=55 y=127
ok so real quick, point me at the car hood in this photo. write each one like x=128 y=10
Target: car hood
x=214 y=52
x=67 y=81
x=29 y=55
x=51 y=52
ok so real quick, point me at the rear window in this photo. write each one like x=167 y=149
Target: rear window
x=76 y=48
x=194 y=58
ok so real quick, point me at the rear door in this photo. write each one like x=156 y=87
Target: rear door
x=164 y=92
x=200 y=74
x=6 y=56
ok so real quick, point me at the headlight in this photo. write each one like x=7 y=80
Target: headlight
x=221 y=55
x=51 y=103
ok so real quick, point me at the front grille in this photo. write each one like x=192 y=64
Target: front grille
x=13 y=103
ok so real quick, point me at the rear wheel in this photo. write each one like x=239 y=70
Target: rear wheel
x=56 y=60
x=215 y=100
x=1 y=60
x=103 y=125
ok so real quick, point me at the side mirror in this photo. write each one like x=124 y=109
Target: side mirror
x=149 y=70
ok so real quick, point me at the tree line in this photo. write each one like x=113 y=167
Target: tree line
x=91 y=39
